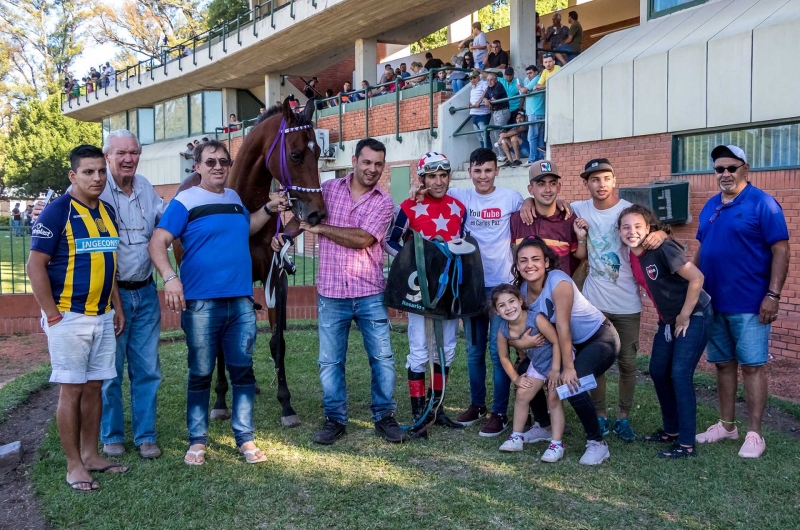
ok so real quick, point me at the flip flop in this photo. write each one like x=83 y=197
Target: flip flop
x=250 y=455
x=110 y=467
x=81 y=490
x=199 y=452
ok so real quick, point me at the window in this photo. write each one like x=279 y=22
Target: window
x=212 y=110
x=147 y=128
x=106 y=127
x=119 y=121
x=133 y=125
x=159 y=121
x=770 y=147
x=196 y=113
x=176 y=118
x=659 y=8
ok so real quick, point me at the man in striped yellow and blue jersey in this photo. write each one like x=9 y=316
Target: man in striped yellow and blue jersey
x=72 y=268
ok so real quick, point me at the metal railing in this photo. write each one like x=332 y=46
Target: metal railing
x=365 y=94
x=228 y=132
x=489 y=128
x=178 y=54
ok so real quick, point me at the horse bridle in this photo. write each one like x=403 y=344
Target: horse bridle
x=279 y=259
x=284 y=176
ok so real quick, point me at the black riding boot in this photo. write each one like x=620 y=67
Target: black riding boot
x=441 y=417
x=416 y=386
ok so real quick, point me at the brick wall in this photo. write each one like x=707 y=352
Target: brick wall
x=335 y=76
x=414 y=116
x=643 y=160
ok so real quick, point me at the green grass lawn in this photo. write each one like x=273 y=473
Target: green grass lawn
x=454 y=480
x=13 y=257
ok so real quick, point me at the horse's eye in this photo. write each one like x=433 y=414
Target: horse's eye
x=296 y=157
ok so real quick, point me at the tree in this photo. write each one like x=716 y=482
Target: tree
x=221 y=11
x=137 y=27
x=38 y=145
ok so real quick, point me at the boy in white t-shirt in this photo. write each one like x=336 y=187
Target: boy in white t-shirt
x=488 y=219
x=610 y=285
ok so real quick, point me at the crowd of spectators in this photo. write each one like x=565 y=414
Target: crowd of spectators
x=94 y=80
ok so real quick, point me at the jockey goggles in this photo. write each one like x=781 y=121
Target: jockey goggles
x=433 y=167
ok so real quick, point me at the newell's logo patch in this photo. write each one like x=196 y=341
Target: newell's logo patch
x=39 y=230
x=652 y=272
x=491 y=213
x=96 y=244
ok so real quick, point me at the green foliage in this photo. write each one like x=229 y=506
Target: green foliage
x=495 y=16
x=544 y=7
x=38 y=145
x=434 y=40
x=5 y=220
x=221 y=11
x=17 y=391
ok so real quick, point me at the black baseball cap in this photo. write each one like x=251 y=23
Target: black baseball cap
x=594 y=165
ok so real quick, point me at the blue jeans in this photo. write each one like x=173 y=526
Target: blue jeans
x=458 y=84
x=16 y=224
x=479 y=331
x=536 y=137
x=138 y=343
x=372 y=318
x=229 y=324
x=672 y=366
x=479 y=123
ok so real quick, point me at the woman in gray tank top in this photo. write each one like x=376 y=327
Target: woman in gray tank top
x=553 y=293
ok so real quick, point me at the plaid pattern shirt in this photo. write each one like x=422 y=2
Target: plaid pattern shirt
x=349 y=272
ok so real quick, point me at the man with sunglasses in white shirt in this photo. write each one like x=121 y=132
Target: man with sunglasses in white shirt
x=139 y=209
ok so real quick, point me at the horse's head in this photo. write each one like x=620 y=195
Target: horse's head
x=299 y=161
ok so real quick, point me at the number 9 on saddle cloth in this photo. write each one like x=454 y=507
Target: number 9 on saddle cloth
x=437 y=279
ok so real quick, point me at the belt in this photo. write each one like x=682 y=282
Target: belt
x=132 y=286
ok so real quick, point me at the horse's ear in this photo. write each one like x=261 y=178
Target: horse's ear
x=308 y=112
x=288 y=113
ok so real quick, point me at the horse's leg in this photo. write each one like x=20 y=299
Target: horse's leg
x=277 y=347
x=220 y=410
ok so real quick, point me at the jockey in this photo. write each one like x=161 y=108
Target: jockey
x=438 y=214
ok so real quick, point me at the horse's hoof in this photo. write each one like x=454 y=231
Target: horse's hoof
x=290 y=421
x=220 y=414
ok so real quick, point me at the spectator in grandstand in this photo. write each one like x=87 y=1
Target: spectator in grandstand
x=550 y=68
x=478 y=109
x=403 y=71
x=189 y=153
x=110 y=74
x=459 y=79
x=534 y=111
x=262 y=111
x=431 y=62
x=103 y=77
x=309 y=90
x=185 y=52
x=478 y=45
x=67 y=89
x=76 y=87
x=441 y=77
x=500 y=112
x=386 y=70
x=233 y=123
x=514 y=143
x=204 y=140
x=498 y=57
x=511 y=84
x=87 y=81
x=346 y=95
x=419 y=75
x=557 y=33
x=331 y=102
x=389 y=77
x=572 y=43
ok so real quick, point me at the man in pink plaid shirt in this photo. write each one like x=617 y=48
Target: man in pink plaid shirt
x=350 y=286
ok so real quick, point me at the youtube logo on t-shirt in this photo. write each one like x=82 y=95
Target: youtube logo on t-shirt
x=491 y=213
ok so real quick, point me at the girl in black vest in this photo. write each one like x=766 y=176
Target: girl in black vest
x=675 y=286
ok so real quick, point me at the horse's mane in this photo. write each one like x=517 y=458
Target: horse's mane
x=276 y=109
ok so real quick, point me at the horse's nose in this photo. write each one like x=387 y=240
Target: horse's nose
x=314 y=218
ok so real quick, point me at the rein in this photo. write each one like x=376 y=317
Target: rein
x=279 y=259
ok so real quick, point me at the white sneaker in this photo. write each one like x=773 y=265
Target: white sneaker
x=512 y=445
x=501 y=158
x=536 y=434
x=596 y=453
x=553 y=453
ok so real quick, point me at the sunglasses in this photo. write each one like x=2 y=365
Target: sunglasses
x=731 y=169
x=211 y=163
x=718 y=210
x=546 y=55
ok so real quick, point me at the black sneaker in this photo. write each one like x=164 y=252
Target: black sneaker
x=388 y=429
x=330 y=432
x=495 y=426
x=471 y=415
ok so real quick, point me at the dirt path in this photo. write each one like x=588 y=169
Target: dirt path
x=19 y=507
x=19 y=354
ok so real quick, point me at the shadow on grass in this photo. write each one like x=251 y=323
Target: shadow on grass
x=454 y=480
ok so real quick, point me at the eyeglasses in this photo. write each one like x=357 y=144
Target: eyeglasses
x=546 y=55
x=731 y=169
x=211 y=163
x=432 y=167
x=718 y=209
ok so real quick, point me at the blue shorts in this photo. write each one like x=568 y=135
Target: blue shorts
x=738 y=337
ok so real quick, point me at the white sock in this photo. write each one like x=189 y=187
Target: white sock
x=557 y=442
x=515 y=433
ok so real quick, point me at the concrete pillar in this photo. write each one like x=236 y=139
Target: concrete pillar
x=366 y=61
x=522 y=47
x=228 y=104
x=272 y=89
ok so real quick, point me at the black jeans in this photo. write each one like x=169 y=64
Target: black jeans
x=595 y=356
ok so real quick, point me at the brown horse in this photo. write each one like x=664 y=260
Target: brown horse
x=281 y=146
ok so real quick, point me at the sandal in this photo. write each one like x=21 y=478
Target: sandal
x=678 y=451
x=198 y=453
x=109 y=467
x=250 y=455
x=73 y=485
x=661 y=437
